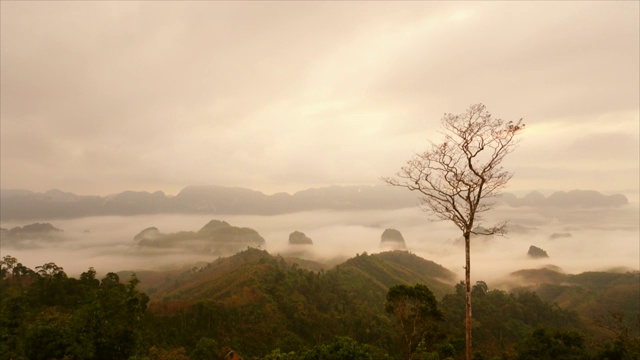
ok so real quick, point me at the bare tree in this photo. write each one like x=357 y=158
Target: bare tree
x=458 y=176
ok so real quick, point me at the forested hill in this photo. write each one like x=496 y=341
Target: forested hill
x=227 y=278
x=260 y=306
x=265 y=302
x=595 y=296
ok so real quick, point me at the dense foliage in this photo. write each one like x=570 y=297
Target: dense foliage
x=46 y=315
x=416 y=310
x=257 y=306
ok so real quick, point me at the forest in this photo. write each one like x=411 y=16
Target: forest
x=253 y=305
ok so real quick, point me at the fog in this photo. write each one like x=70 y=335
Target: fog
x=600 y=239
x=98 y=97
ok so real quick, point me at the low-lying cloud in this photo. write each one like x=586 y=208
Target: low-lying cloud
x=599 y=239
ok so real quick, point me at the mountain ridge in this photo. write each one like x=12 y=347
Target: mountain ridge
x=19 y=204
x=371 y=271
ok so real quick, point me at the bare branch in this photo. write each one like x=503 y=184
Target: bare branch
x=457 y=177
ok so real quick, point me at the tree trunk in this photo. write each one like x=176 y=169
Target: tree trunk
x=467 y=278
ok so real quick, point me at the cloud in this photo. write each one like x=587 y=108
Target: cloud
x=601 y=239
x=98 y=97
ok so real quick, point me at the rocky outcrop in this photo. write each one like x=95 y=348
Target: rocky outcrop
x=392 y=239
x=214 y=225
x=299 y=238
x=150 y=233
x=536 y=252
x=216 y=237
x=30 y=235
x=34 y=229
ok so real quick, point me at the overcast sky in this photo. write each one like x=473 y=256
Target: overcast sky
x=101 y=97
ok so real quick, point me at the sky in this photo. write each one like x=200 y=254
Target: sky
x=101 y=97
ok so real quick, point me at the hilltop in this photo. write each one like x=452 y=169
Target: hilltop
x=281 y=304
x=370 y=274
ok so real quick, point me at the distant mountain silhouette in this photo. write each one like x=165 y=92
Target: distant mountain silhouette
x=57 y=204
x=573 y=198
x=216 y=237
x=560 y=235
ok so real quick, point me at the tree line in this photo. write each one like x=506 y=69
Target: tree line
x=286 y=313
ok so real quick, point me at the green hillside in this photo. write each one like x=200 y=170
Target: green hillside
x=291 y=308
x=374 y=274
x=367 y=274
x=287 y=306
x=268 y=307
x=608 y=302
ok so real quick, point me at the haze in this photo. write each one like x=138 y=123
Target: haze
x=601 y=239
x=101 y=97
